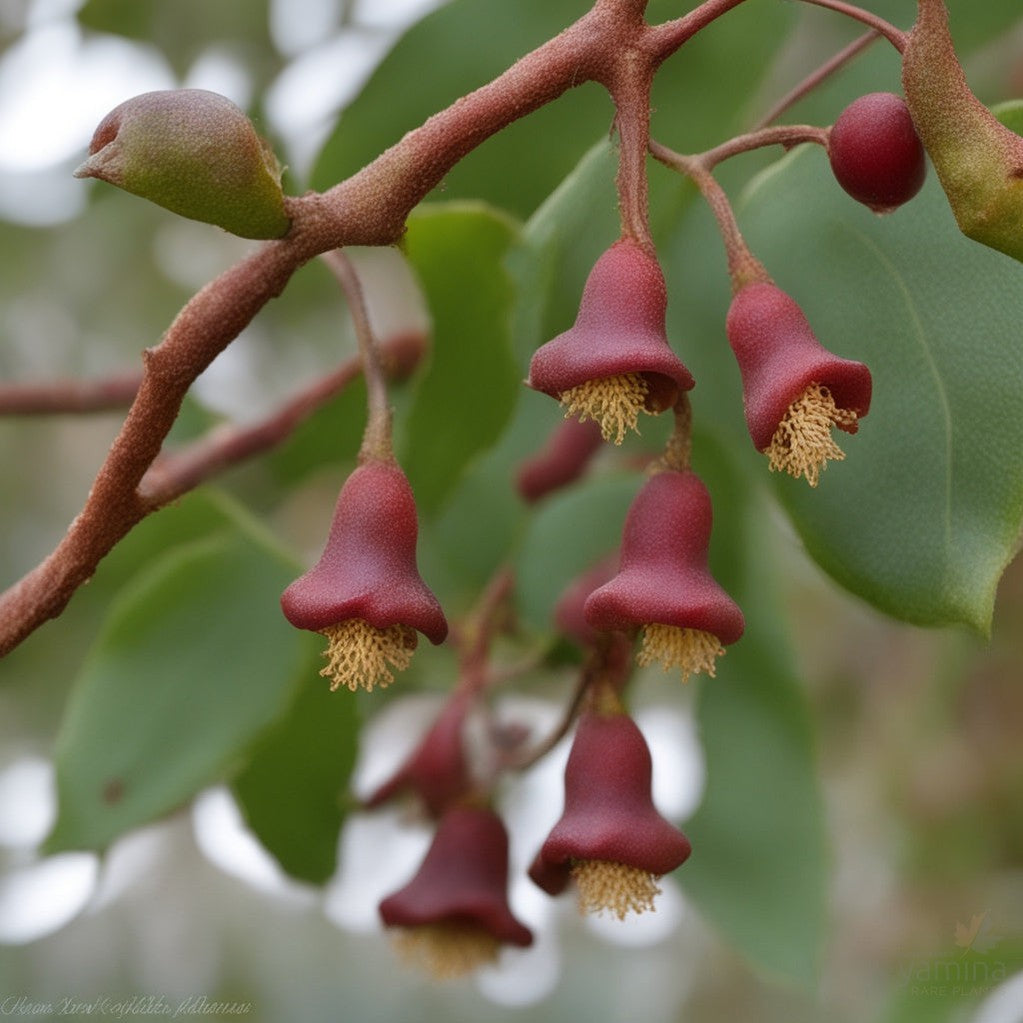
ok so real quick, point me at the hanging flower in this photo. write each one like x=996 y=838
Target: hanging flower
x=454 y=913
x=664 y=586
x=610 y=839
x=365 y=594
x=437 y=771
x=563 y=459
x=615 y=361
x=794 y=390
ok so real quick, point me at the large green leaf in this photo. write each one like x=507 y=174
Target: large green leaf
x=759 y=868
x=194 y=662
x=924 y=513
x=467 y=393
x=292 y=790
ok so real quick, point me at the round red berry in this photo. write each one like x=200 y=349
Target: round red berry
x=875 y=152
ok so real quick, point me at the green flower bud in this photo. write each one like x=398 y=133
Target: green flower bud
x=193 y=152
x=978 y=160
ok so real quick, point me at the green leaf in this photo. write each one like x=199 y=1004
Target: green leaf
x=194 y=662
x=761 y=819
x=463 y=400
x=1010 y=113
x=925 y=511
x=292 y=790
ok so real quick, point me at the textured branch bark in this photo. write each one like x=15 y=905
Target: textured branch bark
x=370 y=208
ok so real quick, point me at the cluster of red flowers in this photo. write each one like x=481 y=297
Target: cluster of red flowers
x=365 y=594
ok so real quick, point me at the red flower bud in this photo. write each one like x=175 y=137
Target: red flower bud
x=437 y=771
x=455 y=910
x=615 y=360
x=610 y=838
x=875 y=152
x=664 y=585
x=794 y=389
x=365 y=592
x=564 y=458
x=569 y=614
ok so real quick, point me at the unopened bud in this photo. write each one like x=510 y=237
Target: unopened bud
x=978 y=160
x=195 y=153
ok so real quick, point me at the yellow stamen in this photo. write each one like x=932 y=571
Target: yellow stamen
x=614 y=887
x=691 y=650
x=447 y=949
x=614 y=403
x=358 y=654
x=802 y=445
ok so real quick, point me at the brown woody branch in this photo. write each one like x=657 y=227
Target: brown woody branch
x=370 y=208
x=70 y=396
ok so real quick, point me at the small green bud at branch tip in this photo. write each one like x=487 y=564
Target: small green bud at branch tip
x=195 y=153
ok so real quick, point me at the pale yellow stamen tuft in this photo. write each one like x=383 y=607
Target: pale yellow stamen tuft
x=359 y=655
x=802 y=445
x=447 y=949
x=691 y=650
x=614 y=887
x=614 y=403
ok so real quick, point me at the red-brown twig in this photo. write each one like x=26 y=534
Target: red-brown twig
x=72 y=397
x=817 y=76
x=173 y=475
x=370 y=208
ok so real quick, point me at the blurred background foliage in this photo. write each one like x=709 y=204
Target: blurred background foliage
x=863 y=776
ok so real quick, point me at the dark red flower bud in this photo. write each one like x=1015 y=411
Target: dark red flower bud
x=794 y=389
x=365 y=593
x=455 y=910
x=564 y=458
x=875 y=152
x=569 y=613
x=615 y=360
x=610 y=839
x=664 y=585
x=437 y=771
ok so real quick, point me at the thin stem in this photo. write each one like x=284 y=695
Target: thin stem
x=678 y=449
x=75 y=397
x=666 y=38
x=631 y=94
x=608 y=667
x=174 y=475
x=377 y=439
x=743 y=267
x=894 y=35
x=787 y=135
x=815 y=78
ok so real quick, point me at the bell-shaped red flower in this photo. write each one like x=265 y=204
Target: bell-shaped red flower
x=563 y=459
x=365 y=594
x=455 y=911
x=794 y=389
x=437 y=771
x=664 y=585
x=615 y=360
x=610 y=839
